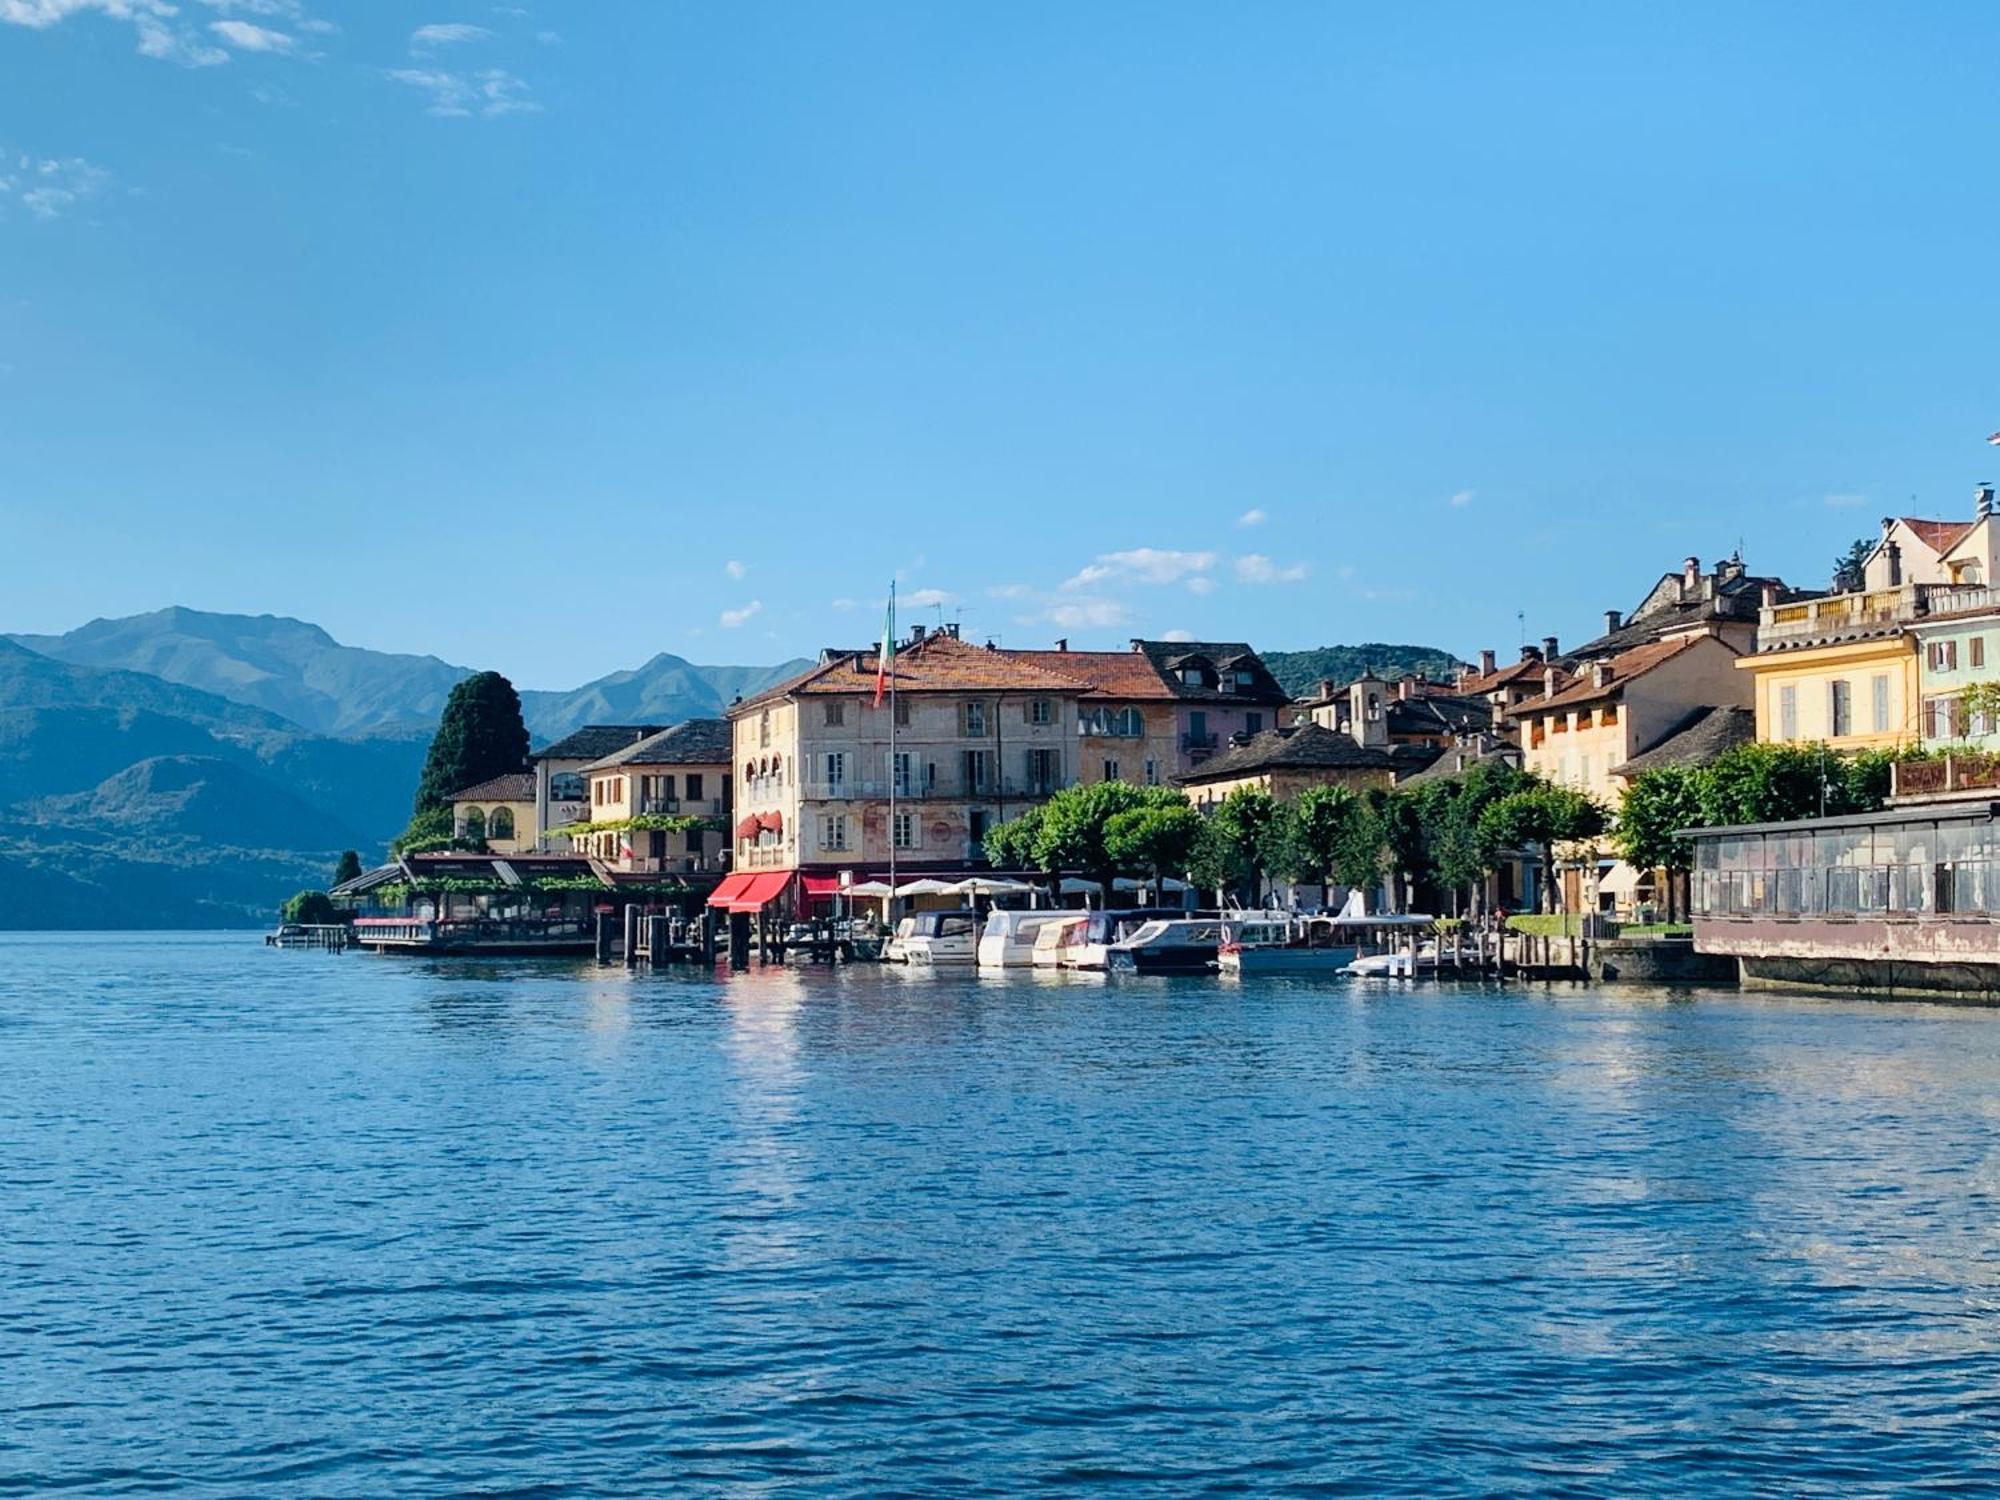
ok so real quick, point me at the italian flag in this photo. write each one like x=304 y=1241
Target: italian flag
x=885 y=658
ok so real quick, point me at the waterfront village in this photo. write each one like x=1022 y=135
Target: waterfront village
x=1736 y=776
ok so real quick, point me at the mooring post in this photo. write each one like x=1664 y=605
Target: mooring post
x=658 y=945
x=631 y=933
x=604 y=937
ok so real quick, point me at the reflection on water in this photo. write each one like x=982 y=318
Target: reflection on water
x=316 y=1224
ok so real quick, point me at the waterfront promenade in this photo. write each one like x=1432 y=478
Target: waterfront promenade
x=306 y=1223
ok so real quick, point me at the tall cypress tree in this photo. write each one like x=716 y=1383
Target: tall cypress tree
x=480 y=736
x=348 y=869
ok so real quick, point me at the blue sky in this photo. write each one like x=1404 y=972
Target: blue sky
x=548 y=337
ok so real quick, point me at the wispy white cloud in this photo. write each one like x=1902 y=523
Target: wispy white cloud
x=845 y=606
x=1009 y=591
x=446 y=34
x=1257 y=568
x=49 y=187
x=734 y=568
x=732 y=618
x=1201 y=584
x=165 y=31
x=1141 y=565
x=1081 y=614
x=927 y=598
x=1462 y=499
x=247 y=36
x=487 y=93
x=1846 y=502
x=1255 y=516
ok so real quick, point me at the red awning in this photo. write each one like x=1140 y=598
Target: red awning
x=820 y=887
x=750 y=892
x=747 y=828
x=725 y=894
x=773 y=821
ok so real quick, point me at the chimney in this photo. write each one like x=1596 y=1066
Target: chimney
x=1691 y=573
x=1063 y=644
x=1486 y=664
x=1768 y=596
x=1894 y=554
x=1982 y=500
x=1600 y=674
x=1531 y=653
x=1548 y=648
x=952 y=630
x=917 y=634
x=1549 y=681
x=1612 y=620
x=1405 y=686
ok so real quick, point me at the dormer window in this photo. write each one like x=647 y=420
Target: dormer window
x=1191 y=676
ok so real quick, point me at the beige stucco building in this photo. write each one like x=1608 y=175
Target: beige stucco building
x=679 y=773
x=500 y=812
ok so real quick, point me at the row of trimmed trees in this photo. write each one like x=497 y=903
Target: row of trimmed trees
x=1443 y=838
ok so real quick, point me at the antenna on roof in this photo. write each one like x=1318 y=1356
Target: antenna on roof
x=1521 y=622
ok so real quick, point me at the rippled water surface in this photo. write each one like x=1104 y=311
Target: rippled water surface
x=312 y=1224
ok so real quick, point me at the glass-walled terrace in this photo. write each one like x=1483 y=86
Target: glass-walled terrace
x=1900 y=867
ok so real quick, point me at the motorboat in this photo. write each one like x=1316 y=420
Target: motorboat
x=1010 y=936
x=1279 y=943
x=936 y=939
x=1405 y=963
x=1087 y=946
x=1185 y=945
x=1052 y=938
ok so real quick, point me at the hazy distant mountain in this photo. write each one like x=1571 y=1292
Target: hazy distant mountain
x=286 y=666
x=197 y=797
x=298 y=671
x=665 y=690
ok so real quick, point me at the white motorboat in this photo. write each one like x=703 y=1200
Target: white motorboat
x=1185 y=945
x=1010 y=936
x=1052 y=939
x=1088 y=946
x=1400 y=963
x=936 y=939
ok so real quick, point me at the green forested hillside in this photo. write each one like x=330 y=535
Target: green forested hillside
x=1298 y=671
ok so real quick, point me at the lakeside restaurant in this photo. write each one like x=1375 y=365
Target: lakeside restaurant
x=1905 y=899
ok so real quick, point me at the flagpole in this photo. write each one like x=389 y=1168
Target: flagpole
x=888 y=645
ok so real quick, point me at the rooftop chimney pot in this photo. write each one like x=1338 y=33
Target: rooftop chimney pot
x=1982 y=500
x=1612 y=620
x=1486 y=663
x=1548 y=648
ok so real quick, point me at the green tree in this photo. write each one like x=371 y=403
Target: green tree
x=1764 y=783
x=348 y=869
x=1656 y=806
x=1543 y=816
x=1307 y=837
x=1247 y=822
x=427 y=830
x=1851 y=567
x=1403 y=841
x=479 y=736
x=1011 y=845
x=313 y=908
x=1154 y=840
x=1070 y=832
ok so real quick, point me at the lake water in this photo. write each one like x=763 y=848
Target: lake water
x=313 y=1224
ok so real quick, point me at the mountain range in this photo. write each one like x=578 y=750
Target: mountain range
x=192 y=769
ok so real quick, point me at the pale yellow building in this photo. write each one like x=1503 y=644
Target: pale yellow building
x=668 y=778
x=500 y=813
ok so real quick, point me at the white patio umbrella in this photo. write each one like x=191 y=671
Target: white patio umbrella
x=984 y=885
x=1167 y=883
x=924 y=887
x=869 y=888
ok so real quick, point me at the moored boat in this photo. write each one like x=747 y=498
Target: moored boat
x=1185 y=945
x=936 y=939
x=1265 y=943
x=1008 y=941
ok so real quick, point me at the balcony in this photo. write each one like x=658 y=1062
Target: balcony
x=943 y=788
x=1947 y=776
x=1199 y=741
x=1835 y=617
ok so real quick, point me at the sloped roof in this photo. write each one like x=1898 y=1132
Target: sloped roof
x=695 y=742
x=1305 y=747
x=595 y=740
x=1695 y=740
x=1462 y=758
x=1169 y=657
x=1528 y=668
x=936 y=664
x=1110 y=674
x=1939 y=536
x=514 y=786
x=1623 y=668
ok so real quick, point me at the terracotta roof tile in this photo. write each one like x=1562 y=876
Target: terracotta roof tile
x=936 y=664
x=1111 y=674
x=1939 y=536
x=1624 y=667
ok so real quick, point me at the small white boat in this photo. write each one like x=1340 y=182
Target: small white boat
x=936 y=939
x=1053 y=937
x=1186 y=945
x=1010 y=936
x=1401 y=963
x=1088 y=946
